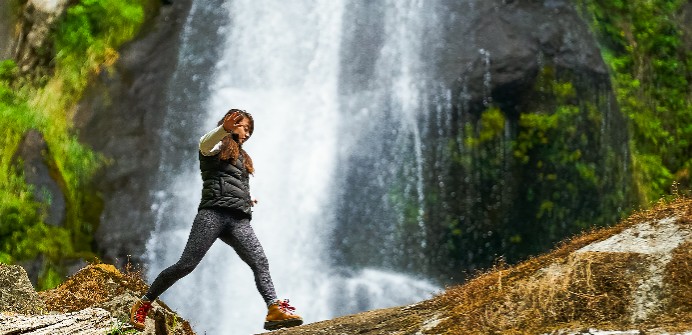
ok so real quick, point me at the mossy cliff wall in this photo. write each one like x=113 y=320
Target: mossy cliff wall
x=522 y=143
x=49 y=207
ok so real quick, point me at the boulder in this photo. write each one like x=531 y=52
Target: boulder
x=96 y=300
x=103 y=286
x=17 y=295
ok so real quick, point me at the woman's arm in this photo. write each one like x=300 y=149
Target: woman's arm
x=210 y=143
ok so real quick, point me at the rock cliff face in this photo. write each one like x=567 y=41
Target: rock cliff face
x=496 y=49
x=37 y=172
x=121 y=116
x=512 y=88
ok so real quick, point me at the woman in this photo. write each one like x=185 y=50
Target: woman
x=225 y=213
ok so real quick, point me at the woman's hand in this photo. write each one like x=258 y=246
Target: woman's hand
x=230 y=123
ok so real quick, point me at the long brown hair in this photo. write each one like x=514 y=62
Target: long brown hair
x=230 y=148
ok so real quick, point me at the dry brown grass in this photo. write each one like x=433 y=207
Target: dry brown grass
x=91 y=286
x=562 y=289
x=102 y=285
x=679 y=280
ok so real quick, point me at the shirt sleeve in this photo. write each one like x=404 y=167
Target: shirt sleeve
x=210 y=143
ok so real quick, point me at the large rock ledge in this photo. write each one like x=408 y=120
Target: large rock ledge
x=634 y=278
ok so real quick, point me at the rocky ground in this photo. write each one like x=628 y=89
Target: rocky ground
x=634 y=278
x=96 y=300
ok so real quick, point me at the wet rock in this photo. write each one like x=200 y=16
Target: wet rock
x=497 y=48
x=120 y=116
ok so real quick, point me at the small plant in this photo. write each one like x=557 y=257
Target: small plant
x=121 y=328
x=174 y=322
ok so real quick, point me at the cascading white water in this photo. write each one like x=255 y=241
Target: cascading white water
x=281 y=62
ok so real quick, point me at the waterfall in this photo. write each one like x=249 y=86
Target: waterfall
x=284 y=62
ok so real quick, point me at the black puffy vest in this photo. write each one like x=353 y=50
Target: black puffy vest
x=225 y=185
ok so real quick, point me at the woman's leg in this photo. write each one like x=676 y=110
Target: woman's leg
x=238 y=233
x=205 y=230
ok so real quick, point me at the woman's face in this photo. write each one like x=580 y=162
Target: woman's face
x=242 y=131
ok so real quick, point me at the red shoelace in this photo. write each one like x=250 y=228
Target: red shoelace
x=142 y=311
x=284 y=306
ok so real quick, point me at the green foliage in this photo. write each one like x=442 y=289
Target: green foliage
x=84 y=41
x=550 y=147
x=8 y=71
x=23 y=235
x=90 y=27
x=650 y=71
x=51 y=277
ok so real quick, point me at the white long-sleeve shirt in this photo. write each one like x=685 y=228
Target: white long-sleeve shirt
x=210 y=143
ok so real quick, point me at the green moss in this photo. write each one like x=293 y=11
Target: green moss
x=490 y=126
x=641 y=43
x=51 y=277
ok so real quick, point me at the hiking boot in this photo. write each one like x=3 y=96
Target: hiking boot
x=281 y=315
x=138 y=313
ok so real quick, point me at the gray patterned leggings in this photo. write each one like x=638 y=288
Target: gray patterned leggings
x=209 y=225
